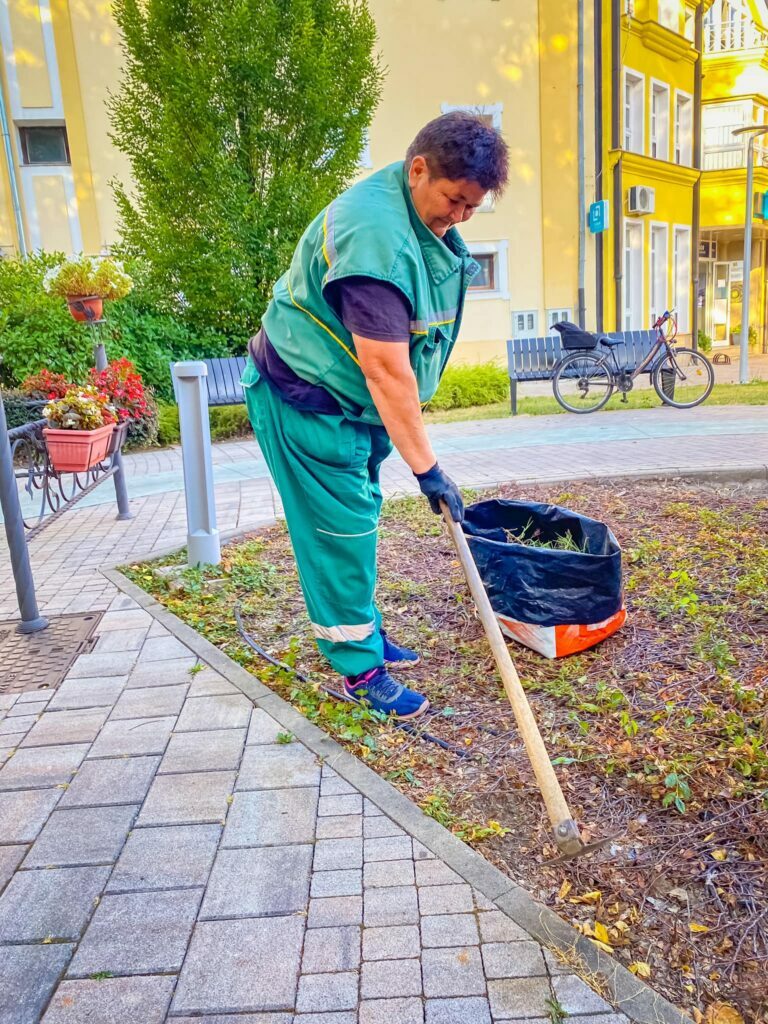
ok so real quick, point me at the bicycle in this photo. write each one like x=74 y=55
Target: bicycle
x=583 y=377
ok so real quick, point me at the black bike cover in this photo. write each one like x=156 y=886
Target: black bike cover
x=545 y=586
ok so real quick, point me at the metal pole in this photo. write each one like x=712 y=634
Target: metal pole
x=744 y=342
x=121 y=490
x=203 y=546
x=31 y=619
x=582 y=187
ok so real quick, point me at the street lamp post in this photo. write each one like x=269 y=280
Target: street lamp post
x=753 y=131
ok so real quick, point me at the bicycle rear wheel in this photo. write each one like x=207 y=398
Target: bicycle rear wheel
x=583 y=382
x=683 y=378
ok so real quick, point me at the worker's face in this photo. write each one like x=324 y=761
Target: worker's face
x=440 y=202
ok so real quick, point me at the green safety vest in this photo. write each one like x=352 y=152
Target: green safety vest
x=372 y=229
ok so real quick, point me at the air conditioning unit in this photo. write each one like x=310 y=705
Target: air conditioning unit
x=641 y=199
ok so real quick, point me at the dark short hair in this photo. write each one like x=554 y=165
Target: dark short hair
x=463 y=145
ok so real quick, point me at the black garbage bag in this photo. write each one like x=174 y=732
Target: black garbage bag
x=556 y=600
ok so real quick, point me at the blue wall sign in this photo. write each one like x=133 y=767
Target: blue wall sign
x=599 y=216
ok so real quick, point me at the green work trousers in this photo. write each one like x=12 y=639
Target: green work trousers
x=326 y=469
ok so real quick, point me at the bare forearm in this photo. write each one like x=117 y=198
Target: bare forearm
x=396 y=398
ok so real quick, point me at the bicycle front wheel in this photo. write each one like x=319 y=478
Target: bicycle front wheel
x=583 y=382
x=683 y=378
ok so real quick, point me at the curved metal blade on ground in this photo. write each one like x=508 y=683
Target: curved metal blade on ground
x=284 y=667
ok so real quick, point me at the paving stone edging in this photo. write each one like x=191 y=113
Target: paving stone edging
x=630 y=994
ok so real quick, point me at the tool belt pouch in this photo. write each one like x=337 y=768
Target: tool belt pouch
x=557 y=599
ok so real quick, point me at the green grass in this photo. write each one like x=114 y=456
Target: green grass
x=755 y=393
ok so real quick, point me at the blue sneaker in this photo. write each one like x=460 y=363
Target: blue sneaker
x=377 y=688
x=403 y=657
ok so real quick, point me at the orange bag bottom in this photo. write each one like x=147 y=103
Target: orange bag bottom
x=557 y=641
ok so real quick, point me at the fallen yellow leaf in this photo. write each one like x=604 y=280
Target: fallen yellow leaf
x=565 y=888
x=695 y=927
x=602 y=945
x=588 y=897
x=720 y=854
x=641 y=969
x=601 y=933
x=722 y=1013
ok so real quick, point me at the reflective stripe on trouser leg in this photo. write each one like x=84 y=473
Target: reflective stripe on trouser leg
x=322 y=466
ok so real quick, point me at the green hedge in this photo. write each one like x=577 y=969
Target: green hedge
x=18 y=410
x=463 y=386
x=226 y=421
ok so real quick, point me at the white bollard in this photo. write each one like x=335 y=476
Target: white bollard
x=203 y=546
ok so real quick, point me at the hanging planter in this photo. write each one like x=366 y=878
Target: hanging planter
x=85 y=282
x=74 y=451
x=86 y=308
x=119 y=435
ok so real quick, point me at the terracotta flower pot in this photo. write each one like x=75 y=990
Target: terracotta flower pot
x=74 y=451
x=119 y=435
x=86 y=307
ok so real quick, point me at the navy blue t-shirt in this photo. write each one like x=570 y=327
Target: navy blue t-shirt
x=367 y=307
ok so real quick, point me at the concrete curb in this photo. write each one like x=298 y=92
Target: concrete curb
x=630 y=995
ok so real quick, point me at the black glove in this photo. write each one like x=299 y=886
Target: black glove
x=437 y=487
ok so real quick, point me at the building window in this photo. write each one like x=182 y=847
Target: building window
x=44 y=144
x=690 y=26
x=633 y=275
x=683 y=129
x=669 y=14
x=633 y=111
x=492 y=282
x=659 y=260
x=722 y=149
x=556 y=316
x=660 y=121
x=681 y=277
x=525 y=323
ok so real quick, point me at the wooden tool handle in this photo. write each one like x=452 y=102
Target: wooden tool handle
x=567 y=835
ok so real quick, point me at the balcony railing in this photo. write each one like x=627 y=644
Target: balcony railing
x=733 y=33
x=721 y=151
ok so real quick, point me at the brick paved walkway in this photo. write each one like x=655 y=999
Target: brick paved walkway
x=167 y=859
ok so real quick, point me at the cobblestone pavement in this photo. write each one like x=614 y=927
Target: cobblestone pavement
x=167 y=857
x=164 y=857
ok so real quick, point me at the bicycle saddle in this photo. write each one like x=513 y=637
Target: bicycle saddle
x=610 y=342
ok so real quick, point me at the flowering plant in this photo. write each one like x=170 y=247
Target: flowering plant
x=88 y=275
x=123 y=387
x=45 y=384
x=81 y=408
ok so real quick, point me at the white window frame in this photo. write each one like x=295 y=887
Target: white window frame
x=682 y=303
x=683 y=157
x=661 y=144
x=634 y=131
x=667 y=6
x=526 y=332
x=500 y=250
x=658 y=300
x=637 y=310
x=555 y=315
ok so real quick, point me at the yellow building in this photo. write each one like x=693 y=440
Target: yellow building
x=514 y=61
x=649 y=161
x=735 y=95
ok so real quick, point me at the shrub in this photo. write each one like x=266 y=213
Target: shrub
x=45 y=385
x=704 y=341
x=88 y=275
x=226 y=421
x=463 y=386
x=143 y=432
x=736 y=334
